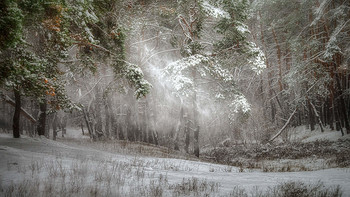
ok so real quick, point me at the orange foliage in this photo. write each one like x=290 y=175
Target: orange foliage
x=51 y=91
x=54 y=23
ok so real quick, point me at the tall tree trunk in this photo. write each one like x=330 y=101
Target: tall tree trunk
x=63 y=124
x=54 y=126
x=98 y=114
x=16 y=116
x=338 y=124
x=179 y=126
x=187 y=135
x=196 y=142
x=108 y=113
x=82 y=127
x=195 y=115
x=279 y=56
x=42 y=118
x=88 y=123
x=269 y=73
x=130 y=126
x=311 y=117
x=121 y=126
x=342 y=105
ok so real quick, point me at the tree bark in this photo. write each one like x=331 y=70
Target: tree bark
x=42 y=118
x=16 y=116
x=54 y=126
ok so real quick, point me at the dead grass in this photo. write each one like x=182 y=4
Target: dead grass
x=284 y=157
x=290 y=189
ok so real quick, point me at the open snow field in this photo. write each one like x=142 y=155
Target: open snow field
x=30 y=166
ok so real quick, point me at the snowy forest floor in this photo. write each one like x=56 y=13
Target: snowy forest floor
x=79 y=167
x=302 y=150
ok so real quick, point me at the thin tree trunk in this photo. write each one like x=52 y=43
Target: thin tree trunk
x=64 y=125
x=130 y=126
x=98 y=114
x=108 y=117
x=179 y=126
x=176 y=137
x=82 y=127
x=311 y=117
x=187 y=136
x=342 y=105
x=269 y=74
x=196 y=142
x=338 y=124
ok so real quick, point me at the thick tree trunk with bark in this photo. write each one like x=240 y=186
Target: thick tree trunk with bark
x=41 y=128
x=16 y=116
x=54 y=126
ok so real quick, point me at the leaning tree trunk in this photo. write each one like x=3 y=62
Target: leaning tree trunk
x=317 y=116
x=42 y=118
x=88 y=122
x=16 y=116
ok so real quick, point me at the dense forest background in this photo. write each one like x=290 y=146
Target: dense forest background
x=181 y=74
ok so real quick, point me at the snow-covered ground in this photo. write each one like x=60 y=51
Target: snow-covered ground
x=304 y=134
x=39 y=161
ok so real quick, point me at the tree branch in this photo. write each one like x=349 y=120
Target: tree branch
x=8 y=100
